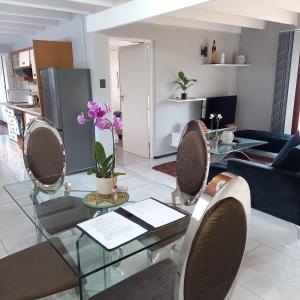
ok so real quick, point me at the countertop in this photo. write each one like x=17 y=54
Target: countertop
x=35 y=111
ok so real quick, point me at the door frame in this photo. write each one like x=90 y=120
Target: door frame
x=151 y=88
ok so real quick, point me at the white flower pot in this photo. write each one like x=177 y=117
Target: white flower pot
x=104 y=185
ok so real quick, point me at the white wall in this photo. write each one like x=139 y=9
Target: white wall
x=178 y=49
x=114 y=79
x=5 y=49
x=256 y=84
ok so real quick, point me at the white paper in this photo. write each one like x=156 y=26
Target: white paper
x=112 y=230
x=154 y=212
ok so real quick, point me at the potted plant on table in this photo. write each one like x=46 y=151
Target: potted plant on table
x=184 y=83
x=214 y=135
x=105 y=165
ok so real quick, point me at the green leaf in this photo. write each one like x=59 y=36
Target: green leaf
x=118 y=174
x=92 y=171
x=98 y=152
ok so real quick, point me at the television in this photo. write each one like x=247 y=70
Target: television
x=225 y=105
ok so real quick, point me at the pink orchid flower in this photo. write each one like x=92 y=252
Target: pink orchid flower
x=117 y=123
x=81 y=119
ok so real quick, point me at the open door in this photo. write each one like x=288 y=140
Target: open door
x=134 y=86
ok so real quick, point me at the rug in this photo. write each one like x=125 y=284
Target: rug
x=170 y=167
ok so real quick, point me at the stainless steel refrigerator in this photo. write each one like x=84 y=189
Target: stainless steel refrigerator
x=66 y=92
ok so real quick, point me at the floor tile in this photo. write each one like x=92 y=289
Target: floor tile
x=241 y=293
x=271 y=274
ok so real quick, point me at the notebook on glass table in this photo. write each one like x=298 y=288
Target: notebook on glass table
x=127 y=223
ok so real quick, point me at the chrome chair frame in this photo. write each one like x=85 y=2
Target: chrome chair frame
x=224 y=185
x=178 y=196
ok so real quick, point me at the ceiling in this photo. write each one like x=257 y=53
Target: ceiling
x=21 y=18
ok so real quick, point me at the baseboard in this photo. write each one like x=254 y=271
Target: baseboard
x=164 y=155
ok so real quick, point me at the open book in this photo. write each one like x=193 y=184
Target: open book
x=129 y=222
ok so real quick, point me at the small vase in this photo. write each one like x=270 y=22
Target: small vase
x=183 y=96
x=105 y=185
x=214 y=144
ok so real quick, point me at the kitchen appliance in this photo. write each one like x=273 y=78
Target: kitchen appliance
x=18 y=95
x=66 y=92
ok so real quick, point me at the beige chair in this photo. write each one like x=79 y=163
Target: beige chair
x=192 y=164
x=35 y=272
x=44 y=159
x=212 y=251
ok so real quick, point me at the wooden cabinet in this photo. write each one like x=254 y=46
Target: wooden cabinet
x=24 y=59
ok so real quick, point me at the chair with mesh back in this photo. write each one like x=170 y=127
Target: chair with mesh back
x=212 y=251
x=44 y=159
x=192 y=165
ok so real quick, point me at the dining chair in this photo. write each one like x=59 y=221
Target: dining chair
x=212 y=251
x=192 y=163
x=35 y=272
x=44 y=159
x=192 y=166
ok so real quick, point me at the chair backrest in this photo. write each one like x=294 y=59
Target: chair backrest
x=192 y=163
x=215 y=241
x=44 y=155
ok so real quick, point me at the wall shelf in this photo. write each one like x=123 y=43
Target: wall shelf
x=178 y=100
x=228 y=65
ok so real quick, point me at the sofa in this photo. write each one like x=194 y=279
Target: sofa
x=275 y=188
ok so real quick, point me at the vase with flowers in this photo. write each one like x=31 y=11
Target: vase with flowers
x=214 y=135
x=104 y=165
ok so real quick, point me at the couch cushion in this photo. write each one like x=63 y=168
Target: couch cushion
x=291 y=161
x=293 y=142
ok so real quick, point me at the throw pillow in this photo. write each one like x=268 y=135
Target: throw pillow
x=291 y=162
x=293 y=142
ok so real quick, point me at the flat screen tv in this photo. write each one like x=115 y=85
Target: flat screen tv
x=226 y=106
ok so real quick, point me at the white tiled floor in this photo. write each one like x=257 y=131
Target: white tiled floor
x=271 y=267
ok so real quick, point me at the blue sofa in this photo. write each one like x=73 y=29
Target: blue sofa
x=275 y=189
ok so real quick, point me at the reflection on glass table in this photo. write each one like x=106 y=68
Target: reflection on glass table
x=96 y=267
x=238 y=144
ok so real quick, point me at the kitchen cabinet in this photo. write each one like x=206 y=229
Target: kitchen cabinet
x=33 y=65
x=24 y=59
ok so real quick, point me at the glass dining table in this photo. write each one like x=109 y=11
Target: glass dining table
x=96 y=267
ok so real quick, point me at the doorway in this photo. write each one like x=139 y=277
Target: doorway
x=131 y=93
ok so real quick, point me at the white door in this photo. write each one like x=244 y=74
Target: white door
x=134 y=84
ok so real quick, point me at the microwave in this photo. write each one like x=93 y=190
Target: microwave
x=18 y=95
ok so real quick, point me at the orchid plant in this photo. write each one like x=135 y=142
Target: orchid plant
x=215 y=118
x=97 y=114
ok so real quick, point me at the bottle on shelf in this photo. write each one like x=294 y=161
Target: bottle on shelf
x=214 y=55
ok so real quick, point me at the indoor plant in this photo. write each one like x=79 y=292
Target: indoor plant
x=184 y=83
x=105 y=165
x=214 y=135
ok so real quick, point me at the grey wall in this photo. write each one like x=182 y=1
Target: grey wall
x=179 y=49
x=5 y=48
x=256 y=84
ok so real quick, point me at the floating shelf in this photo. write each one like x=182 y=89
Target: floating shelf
x=177 y=100
x=228 y=65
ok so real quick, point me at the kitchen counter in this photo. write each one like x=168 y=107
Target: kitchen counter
x=35 y=111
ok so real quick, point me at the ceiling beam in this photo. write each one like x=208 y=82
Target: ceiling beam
x=12 y=10
x=256 y=9
x=135 y=11
x=27 y=20
x=15 y=32
x=103 y=3
x=58 y=5
x=204 y=15
x=292 y=5
x=188 y=23
x=8 y=25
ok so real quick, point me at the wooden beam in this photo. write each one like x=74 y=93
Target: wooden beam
x=205 y=15
x=12 y=10
x=188 y=23
x=57 y=5
x=256 y=9
x=27 y=20
x=292 y=5
x=16 y=32
x=135 y=11
x=9 y=25
x=103 y=3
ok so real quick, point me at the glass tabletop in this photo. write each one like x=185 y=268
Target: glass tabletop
x=53 y=216
x=237 y=145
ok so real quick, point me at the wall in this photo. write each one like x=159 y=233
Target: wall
x=5 y=49
x=114 y=79
x=179 y=49
x=256 y=83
